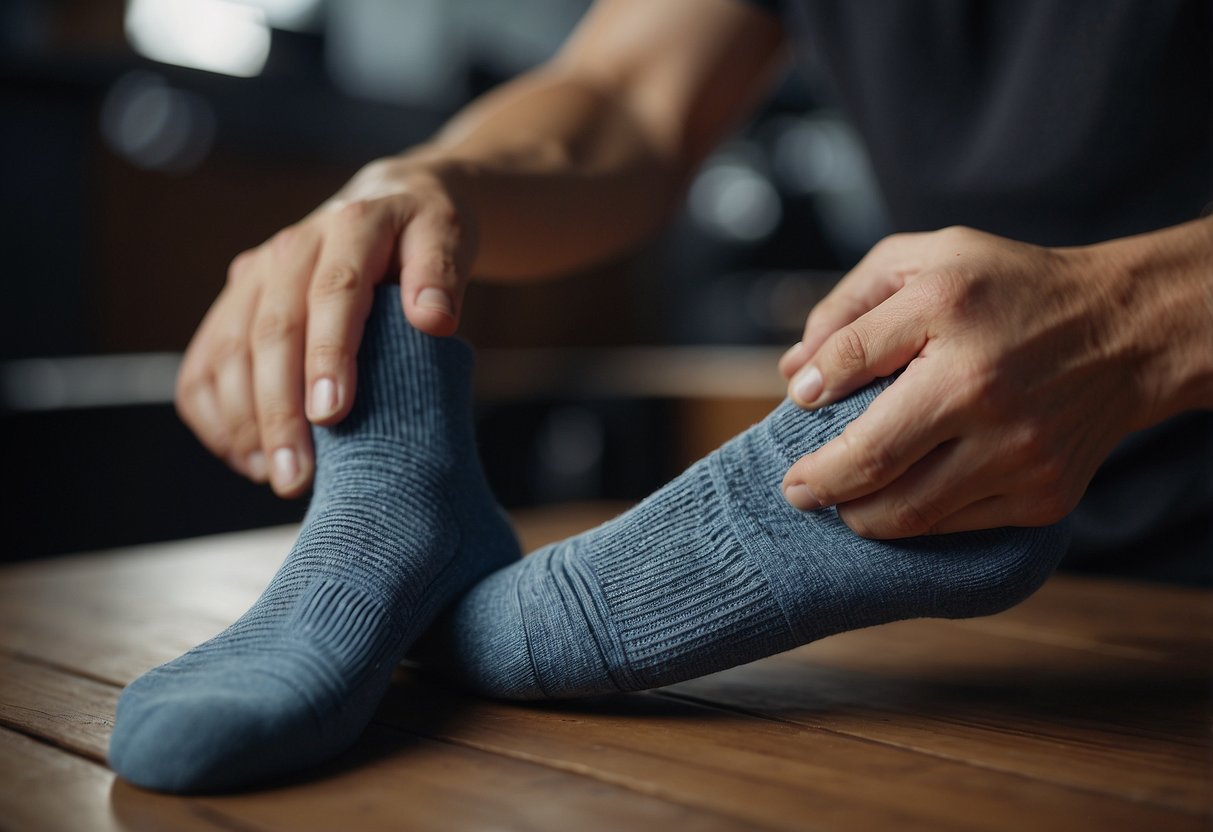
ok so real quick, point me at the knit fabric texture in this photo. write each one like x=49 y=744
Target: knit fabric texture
x=716 y=569
x=401 y=521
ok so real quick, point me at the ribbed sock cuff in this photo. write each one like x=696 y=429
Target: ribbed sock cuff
x=410 y=385
x=797 y=432
x=680 y=588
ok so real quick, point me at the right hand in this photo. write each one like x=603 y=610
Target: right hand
x=277 y=348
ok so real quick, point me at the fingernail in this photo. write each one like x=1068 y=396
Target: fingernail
x=808 y=386
x=799 y=496
x=435 y=299
x=257 y=469
x=793 y=349
x=286 y=467
x=324 y=398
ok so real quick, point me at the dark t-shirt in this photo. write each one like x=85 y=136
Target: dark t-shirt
x=1057 y=122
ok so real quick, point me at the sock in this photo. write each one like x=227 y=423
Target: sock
x=715 y=570
x=401 y=521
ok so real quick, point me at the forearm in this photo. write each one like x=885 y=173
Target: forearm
x=580 y=159
x=556 y=173
x=1161 y=285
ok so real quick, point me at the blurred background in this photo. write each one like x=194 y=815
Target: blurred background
x=147 y=142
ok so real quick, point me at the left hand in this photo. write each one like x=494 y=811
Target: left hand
x=1021 y=375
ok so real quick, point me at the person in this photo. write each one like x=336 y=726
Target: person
x=957 y=380
x=1027 y=363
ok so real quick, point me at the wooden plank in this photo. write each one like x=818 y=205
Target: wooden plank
x=1075 y=717
x=762 y=772
x=115 y=614
x=391 y=779
x=752 y=771
x=44 y=789
x=66 y=710
x=1119 y=617
x=396 y=780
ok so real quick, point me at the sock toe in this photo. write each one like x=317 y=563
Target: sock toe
x=209 y=740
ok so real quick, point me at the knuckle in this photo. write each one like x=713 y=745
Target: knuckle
x=973 y=390
x=337 y=280
x=324 y=357
x=857 y=522
x=872 y=460
x=285 y=239
x=908 y=517
x=377 y=169
x=1051 y=507
x=227 y=348
x=188 y=386
x=444 y=213
x=849 y=349
x=278 y=420
x=240 y=265
x=1050 y=471
x=891 y=241
x=242 y=434
x=273 y=327
x=955 y=234
x=354 y=211
x=944 y=292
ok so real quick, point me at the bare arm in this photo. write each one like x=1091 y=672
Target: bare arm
x=579 y=159
x=566 y=165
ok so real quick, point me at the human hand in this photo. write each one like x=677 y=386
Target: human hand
x=277 y=348
x=1023 y=370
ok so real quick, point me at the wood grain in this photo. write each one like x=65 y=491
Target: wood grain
x=765 y=772
x=1086 y=707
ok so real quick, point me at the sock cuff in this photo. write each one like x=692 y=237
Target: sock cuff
x=796 y=432
x=409 y=385
x=665 y=614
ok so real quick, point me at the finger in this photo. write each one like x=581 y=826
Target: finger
x=434 y=268
x=945 y=481
x=876 y=278
x=224 y=351
x=353 y=258
x=277 y=349
x=991 y=513
x=793 y=359
x=875 y=345
x=903 y=424
x=234 y=397
x=198 y=409
x=194 y=395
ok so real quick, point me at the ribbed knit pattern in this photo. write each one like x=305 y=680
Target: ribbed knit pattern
x=715 y=570
x=401 y=521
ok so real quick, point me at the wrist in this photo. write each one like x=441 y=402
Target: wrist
x=1157 y=294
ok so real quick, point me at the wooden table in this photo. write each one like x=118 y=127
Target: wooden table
x=1085 y=708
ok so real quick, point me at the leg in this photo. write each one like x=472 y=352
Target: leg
x=401 y=522
x=715 y=570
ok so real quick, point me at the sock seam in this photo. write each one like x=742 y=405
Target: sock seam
x=740 y=510
x=603 y=622
x=527 y=633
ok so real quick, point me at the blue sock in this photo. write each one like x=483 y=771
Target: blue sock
x=715 y=570
x=401 y=521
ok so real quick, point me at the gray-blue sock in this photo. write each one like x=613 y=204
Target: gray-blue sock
x=401 y=521
x=715 y=570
